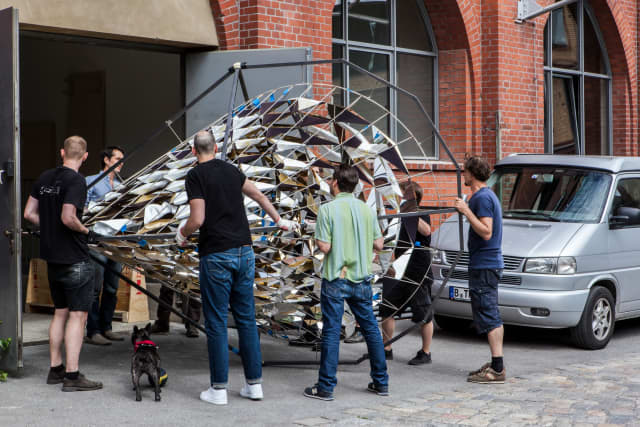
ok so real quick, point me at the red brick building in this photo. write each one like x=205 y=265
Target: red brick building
x=563 y=82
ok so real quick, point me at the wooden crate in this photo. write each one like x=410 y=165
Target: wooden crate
x=132 y=304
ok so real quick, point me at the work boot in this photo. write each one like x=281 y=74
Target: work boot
x=80 y=384
x=192 y=331
x=97 y=339
x=110 y=335
x=159 y=329
x=355 y=338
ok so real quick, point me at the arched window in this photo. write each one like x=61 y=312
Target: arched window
x=577 y=83
x=394 y=40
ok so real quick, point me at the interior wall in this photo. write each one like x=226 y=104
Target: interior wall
x=143 y=89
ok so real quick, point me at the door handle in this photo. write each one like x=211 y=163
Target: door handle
x=1 y=172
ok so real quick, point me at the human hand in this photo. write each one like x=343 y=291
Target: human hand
x=181 y=239
x=288 y=225
x=461 y=206
x=93 y=237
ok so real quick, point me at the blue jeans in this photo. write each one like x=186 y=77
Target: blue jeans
x=226 y=278
x=358 y=296
x=105 y=281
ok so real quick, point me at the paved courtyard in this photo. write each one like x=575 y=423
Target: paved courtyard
x=549 y=383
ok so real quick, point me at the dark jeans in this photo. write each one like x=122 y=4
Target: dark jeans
x=358 y=296
x=226 y=278
x=483 y=289
x=106 y=281
x=71 y=285
x=191 y=308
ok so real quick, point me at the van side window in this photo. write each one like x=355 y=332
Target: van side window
x=626 y=200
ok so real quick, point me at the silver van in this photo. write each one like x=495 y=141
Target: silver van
x=571 y=246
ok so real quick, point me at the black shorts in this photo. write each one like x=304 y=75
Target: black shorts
x=71 y=285
x=398 y=296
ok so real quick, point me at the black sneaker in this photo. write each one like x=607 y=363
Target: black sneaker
x=355 y=338
x=80 y=384
x=380 y=390
x=55 y=377
x=388 y=354
x=316 y=393
x=421 y=358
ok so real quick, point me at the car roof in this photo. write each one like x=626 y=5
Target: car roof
x=605 y=163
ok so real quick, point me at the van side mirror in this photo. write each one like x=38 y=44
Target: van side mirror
x=618 y=221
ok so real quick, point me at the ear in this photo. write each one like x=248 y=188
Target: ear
x=62 y=153
x=193 y=151
x=148 y=327
x=135 y=329
x=84 y=158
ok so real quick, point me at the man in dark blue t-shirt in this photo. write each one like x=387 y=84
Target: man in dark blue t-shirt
x=485 y=264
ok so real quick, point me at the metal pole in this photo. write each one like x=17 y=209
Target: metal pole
x=232 y=101
x=528 y=9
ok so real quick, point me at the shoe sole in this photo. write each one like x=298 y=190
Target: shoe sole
x=53 y=382
x=419 y=363
x=68 y=389
x=485 y=381
x=251 y=397
x=313 y=396
x=88 y=341
x=379 y=393
x=212 y=402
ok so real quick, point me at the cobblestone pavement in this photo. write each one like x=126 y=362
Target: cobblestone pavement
x=577 y=395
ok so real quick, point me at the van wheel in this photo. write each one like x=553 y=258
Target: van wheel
x=597 y=322
x=452 y=323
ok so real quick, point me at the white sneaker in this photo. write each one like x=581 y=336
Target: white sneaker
x=217 y=397
x=252 y=391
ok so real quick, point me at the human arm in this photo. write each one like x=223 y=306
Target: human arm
x=323 y=231
x=423 y=227
x=378 y=244
x=196 y=217
x=31 y=211
x=250 y=190
x=70 y=220
x=483 y=226
x=324 y=247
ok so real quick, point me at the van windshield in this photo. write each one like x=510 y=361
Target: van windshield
x=551 y=193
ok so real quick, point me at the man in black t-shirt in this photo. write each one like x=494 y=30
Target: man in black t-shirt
x=216 y=191
x=56 y=204
x=414 y=290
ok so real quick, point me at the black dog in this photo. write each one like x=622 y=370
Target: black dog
x=145 y=360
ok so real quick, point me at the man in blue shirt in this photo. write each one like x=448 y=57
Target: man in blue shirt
x=485 y=264
x=106 y=280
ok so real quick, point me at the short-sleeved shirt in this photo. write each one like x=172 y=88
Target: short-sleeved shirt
x=225 y=220
x=58 y=243
x=420 y=259
x=486 y=253
x=350 y=226
x=100 y=188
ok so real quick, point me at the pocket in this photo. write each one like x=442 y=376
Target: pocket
x=332 y=289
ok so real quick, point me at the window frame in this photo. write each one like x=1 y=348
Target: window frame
x=392 y=50
x=583 y=9
x=614 y=188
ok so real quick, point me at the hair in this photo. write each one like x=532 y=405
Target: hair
x=415 y=187
x=204 y=142
x=74 y=147
x=347 y=178
x=478 y=167
x=108 y=153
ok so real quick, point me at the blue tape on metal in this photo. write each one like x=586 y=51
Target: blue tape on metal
x=256 y=102
x=240 y=108
x=418 y=243
x=124 y=228
x=286 y=91
x=142 y=243
x=272 y=98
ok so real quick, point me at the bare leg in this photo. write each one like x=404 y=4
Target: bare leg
x=388 y=327
x=427 y=336
x=73 y=338
x=56 y=335
x=495 y=337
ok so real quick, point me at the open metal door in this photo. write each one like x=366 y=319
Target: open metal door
x=202 y=69
x=10 y=214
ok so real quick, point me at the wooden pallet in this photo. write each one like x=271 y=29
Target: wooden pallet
x=132 y=304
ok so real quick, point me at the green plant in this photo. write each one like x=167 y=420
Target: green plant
x=4 y=345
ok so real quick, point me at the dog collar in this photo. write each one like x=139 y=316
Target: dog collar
x=145 y=343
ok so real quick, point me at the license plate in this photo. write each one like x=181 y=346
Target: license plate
x=459 y=294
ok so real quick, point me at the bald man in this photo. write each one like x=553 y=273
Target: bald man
x=56 y=204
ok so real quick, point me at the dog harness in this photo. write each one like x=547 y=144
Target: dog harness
x=145 y=343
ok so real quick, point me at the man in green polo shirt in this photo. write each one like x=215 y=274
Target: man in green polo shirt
x=347 y=232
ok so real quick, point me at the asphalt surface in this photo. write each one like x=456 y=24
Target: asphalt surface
x=529 y=354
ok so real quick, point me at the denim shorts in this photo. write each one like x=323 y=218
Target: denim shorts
x=71 y=285
x=483 y=288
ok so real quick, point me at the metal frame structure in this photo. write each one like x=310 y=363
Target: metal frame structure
x=238 y=80
x=391 y=51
